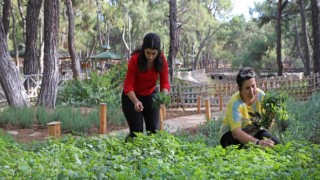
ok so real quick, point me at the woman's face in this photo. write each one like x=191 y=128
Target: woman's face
x=248 y=92
x=150 y=54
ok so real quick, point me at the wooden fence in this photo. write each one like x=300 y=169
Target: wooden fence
x=32 y=83
x=220 y=92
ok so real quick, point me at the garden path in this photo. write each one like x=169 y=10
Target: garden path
x=175 y=124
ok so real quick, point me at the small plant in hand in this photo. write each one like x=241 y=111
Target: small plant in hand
x=274 y=111
x=274 y=105
x=161 y=98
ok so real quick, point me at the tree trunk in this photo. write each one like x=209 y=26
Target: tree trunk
x=304 y=39
x=49 y=86
x=14 y=40
x=278 y=31
x=9 y=75
x=31 y=56
x=202 y=45
x=98 y=23
x=316 y=36
x=22 y=20
x=6 y=15
x=75 y=64
x=173 y=37
x=41 y=41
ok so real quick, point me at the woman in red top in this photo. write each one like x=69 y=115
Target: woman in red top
x=145 y=66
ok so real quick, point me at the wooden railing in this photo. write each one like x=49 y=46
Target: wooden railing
x=220 y=92
x=32 y=83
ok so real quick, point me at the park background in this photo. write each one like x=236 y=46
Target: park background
x=50 y=68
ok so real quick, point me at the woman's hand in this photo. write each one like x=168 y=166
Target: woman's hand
x=138 y=106
x=266 y=143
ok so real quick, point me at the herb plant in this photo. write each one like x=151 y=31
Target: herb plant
x=274 y=106
x=161 y=98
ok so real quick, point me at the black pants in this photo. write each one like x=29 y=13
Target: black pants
x=227 y=139
x=150 y=115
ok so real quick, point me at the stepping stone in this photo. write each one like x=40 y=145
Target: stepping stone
x=35 y=134
x=13 y=132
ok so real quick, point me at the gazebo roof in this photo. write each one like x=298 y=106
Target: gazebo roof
x=107 y=55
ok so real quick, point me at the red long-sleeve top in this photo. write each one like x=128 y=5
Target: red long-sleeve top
x=143 y=83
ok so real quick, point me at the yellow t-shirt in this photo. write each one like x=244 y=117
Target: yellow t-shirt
x=237 y=114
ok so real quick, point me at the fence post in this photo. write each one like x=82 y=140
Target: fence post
x=162 y=116
x=180 y=96
x=220 y=102
x=208 y=110
x=199 y=105
x=54 y=128
x=103 y=118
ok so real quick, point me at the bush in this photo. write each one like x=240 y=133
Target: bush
x=100 y=88
x=71 y=118
x=207 y=133
x=305 y=124
x=24 y=117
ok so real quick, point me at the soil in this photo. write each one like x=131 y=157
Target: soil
x=40 y=133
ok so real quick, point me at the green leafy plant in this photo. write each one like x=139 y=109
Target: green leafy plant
x=161 y=98
x=274 y=105
x=274 y=111
x=158 y=156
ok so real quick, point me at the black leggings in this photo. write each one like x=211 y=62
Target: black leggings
x=150 y=115
x=227 y=139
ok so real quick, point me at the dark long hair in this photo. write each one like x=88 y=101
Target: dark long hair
x=152 y=41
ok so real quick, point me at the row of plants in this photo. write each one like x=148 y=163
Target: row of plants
x=159 y=156
x=72 y=119
x=167 y=156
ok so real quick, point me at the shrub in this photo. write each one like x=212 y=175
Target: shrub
x=100 y=88
x=305 y=124
x=207 y=133
x=71 y=118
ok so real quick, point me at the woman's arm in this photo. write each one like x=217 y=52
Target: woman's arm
x=164 y=76
x=137 y=104
x=245 y=138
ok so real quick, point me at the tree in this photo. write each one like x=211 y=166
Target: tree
x=278 y=32
x=9 y=77
x=31 y=56
x=316 y=36
x=306 y=54
x=72 y=51
x=6 y=15
x=49 y=86
x=173 y=36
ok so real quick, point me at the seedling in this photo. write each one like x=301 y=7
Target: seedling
x=274 y=111
x=161 y=98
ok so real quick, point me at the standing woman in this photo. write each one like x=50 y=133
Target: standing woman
x=145 y=66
